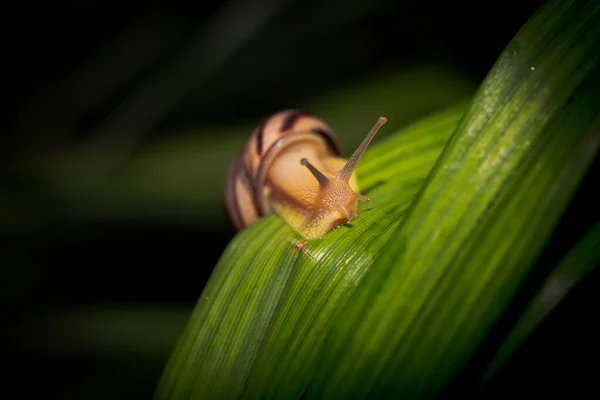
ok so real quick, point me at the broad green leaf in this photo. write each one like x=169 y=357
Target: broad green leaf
x=318 y=284
x=575 y=266
x=480 y=221
x=264 y=310
x=435 y=281
x=249 y=312
x=290 y=351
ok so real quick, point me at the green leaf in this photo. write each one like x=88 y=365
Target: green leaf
x=267 y=305
x=479 y=223
x=575 y=266
x=396 y=303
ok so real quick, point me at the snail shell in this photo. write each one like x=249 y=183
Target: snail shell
x=290 y=165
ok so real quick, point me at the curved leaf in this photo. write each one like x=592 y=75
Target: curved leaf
x=273 y=319
x=479 y=223
x=260 y=321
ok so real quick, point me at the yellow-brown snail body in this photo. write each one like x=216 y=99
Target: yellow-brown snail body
x=290 y=165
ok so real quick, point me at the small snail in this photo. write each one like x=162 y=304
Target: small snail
x=290 y=165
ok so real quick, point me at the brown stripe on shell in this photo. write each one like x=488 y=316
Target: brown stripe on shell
x=329 y=136
x=231 y=204
x=260 y=130
x=242 y=208
x=290 y=120
x=253 y=190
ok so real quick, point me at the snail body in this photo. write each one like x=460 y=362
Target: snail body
x=291 y=165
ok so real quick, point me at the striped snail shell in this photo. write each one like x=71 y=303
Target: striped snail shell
x=291 y=165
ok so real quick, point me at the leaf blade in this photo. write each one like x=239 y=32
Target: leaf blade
x=301 y=274
x=509 y=119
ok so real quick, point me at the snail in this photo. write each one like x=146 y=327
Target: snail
x=291 y=165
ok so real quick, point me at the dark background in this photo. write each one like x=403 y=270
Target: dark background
x=100 y=271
